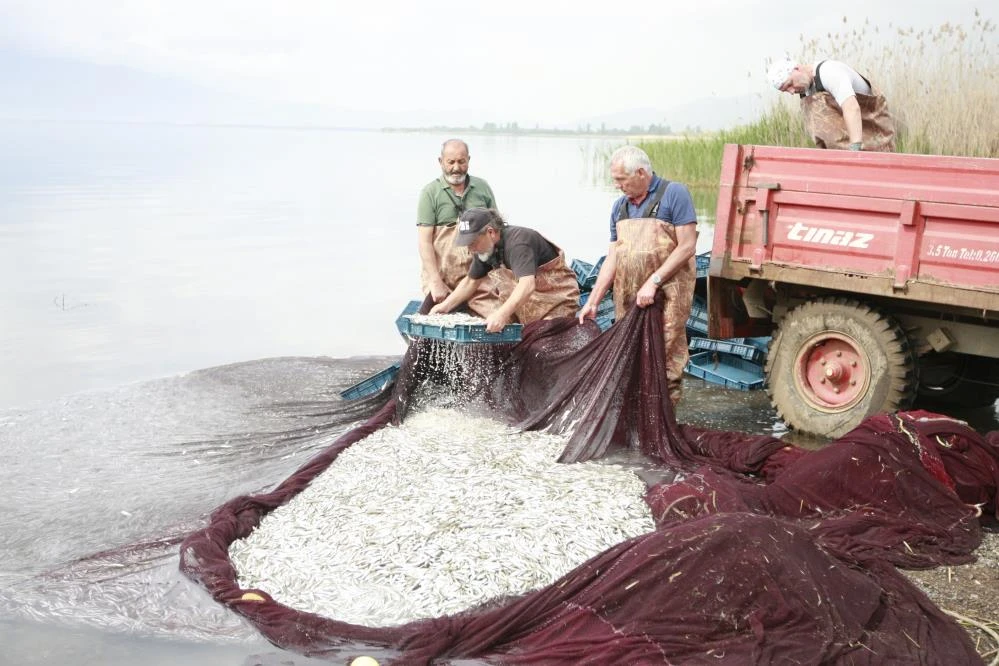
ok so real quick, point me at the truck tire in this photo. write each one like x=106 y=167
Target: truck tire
x=836 y=361
x=951 y=380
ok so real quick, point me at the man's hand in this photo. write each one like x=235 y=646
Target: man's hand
x=646 y=295
x=496 y=322
x=438 y=290
x=588 y=311
x=440 y=308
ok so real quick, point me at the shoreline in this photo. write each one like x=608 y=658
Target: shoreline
x=547 y=133
x=456 y=131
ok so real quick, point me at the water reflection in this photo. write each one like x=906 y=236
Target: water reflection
x=705 y=202
x=104 y=485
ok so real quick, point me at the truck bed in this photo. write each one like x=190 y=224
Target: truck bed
x=916 y=227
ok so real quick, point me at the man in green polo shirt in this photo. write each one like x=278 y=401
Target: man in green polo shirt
x=441 y=202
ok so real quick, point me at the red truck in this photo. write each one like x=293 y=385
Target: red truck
x=876 y=274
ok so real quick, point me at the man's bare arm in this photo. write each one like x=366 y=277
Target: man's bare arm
x=461 y=293
x=851 y=116
x=504 y=313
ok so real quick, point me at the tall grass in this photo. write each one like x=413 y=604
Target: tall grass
x=942 y=87
x=942 y=84
x=696 y=160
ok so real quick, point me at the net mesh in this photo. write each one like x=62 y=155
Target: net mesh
x=762 y=552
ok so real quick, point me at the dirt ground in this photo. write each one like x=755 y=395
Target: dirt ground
x=970 y=591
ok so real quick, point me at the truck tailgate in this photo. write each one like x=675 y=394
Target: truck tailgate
x=920 y=227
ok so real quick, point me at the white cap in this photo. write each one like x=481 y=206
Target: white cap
x=779 y=71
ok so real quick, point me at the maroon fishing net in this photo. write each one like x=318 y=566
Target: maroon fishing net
x=762 y=553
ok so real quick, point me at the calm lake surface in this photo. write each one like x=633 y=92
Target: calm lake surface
x=172 y=297
x=129 y=252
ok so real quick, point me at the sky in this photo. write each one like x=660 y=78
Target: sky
x=526 y=61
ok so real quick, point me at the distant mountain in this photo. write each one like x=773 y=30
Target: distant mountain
x=64 y=89
x=40 y=87
x=709 y=113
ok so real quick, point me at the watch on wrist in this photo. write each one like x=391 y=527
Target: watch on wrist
x=656 y=280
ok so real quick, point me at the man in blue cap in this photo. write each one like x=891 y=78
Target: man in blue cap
x=528 y=274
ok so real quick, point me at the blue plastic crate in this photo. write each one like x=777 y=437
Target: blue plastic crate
x=698 y=319
x=703 y=263
x=582 y=269
x=726 y=370
x=736 y=346
x=586 y=273
x=460 y=332
x=605 y=312
x=693 y=333
x=373 y=385
x=401 y=321
x=762 y=342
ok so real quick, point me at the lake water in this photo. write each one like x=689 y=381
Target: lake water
x=130 y=252
x=172 y=297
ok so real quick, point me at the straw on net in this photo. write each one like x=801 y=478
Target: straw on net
x=761 y=552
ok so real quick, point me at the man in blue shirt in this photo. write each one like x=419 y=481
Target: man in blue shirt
x=653 y=238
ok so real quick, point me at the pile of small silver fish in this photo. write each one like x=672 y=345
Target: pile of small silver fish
x=436 y=516
x=446 y=319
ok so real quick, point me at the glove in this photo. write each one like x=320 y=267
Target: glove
x=857 y=146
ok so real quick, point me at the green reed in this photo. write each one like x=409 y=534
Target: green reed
x=942 y=87
x=942 y=84
x=696 y=159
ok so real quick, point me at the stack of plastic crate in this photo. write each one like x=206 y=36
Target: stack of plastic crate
x=586 y=277
x=733 y=362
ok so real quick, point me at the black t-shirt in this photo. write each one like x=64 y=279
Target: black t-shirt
x=520 y=249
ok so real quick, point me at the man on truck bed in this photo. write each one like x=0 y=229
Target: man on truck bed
x=842 y=109
x=653 y=234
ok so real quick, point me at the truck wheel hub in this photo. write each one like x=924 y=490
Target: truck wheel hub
x=832 y=371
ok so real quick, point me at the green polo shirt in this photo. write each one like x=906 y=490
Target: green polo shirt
x=440 y=205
